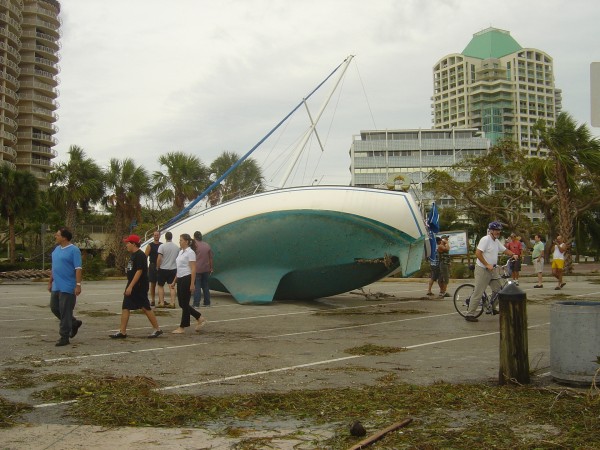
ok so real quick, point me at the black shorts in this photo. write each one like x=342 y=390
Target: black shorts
x=152 y=273
x=166 y=276
x=515 y=265
x=136 y=301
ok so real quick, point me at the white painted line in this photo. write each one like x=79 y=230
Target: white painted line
x=262 y=372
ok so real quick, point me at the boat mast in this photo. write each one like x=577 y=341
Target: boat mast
x=302 y=145
x=185 y=210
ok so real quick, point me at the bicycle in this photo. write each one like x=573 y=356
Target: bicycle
x=463 y=293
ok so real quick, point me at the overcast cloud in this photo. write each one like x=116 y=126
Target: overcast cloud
x=140 y=78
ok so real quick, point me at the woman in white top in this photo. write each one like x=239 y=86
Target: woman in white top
x=186 y=266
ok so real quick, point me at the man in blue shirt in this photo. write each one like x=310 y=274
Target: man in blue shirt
x=65 y=284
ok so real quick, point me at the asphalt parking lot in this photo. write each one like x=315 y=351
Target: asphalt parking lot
x=275 y=347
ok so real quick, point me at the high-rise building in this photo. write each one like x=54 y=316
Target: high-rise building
x=29 y=44
x=496 y=86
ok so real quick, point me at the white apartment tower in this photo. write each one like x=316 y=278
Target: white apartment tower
x=29 y=44
x=495 y=86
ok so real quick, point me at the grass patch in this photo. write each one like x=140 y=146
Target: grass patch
x=374 y=350
x=9 y=412
x=444 y=416
x=101 y=313
x=17 y=378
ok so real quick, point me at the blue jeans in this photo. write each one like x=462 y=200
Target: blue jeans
x=201 y=283
x=62 y=305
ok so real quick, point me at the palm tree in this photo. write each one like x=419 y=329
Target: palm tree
x=126 y=183
x=76 y=183
x=574 y=168
x=245 y=180
x=18 y=196
x=186 y=177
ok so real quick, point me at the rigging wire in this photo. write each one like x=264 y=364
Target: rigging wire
x=366 y=96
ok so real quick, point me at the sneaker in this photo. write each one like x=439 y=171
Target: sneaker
x=155 y=334
x=429 y=293
x=61 y=342
x=557 y=288
x=495 y=312
x=517 y=282
x=471 y=319
x=562 y=285
x=206 y=305
x=446 y=294
x=539 y=286
x=201 y=323
x=118 y=335
x=75 y=328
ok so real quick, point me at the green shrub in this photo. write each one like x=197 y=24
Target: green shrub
x=93 y=268
x=459 y=270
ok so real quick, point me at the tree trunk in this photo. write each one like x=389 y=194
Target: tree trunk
x=11 y=238
x=71 y=218
x=566 y=213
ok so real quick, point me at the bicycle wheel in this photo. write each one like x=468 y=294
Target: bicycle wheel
x=462 y=298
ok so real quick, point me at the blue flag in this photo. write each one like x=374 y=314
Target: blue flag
x=433 y=223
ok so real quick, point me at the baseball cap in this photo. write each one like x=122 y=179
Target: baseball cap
x=445 y=236
x=134 y=238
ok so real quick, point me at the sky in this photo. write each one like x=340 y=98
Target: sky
x=141 y=78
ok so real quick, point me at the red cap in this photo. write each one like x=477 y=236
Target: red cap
x=134 y=238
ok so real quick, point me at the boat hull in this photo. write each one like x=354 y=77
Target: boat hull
x=306 y=243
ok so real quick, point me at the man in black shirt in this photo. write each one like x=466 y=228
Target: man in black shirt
x=136 y=292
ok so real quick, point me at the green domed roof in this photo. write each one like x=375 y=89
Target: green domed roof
x=491 y=43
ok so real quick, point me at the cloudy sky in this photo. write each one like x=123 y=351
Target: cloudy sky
x=140 y=78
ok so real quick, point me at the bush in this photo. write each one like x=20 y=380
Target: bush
x=93 y=269
x=459 y=270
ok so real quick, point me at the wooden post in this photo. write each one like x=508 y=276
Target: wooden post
x=514 y=356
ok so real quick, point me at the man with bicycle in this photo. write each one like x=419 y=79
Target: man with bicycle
x=487 y=257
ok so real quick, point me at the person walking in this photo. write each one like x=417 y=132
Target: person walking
x=152 y=254
x=204 y=268
x=167 y=269
x=185 y=280
x=516 y=246
x=136 y=291
x=559 y=247
x=537 y=255
x=444 y=252
x=486 y=254
x=65 y=284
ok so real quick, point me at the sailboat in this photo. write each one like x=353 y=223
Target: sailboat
x=306 y=242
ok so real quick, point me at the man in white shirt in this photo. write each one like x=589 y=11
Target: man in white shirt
x=166 y=262
x=487 y=257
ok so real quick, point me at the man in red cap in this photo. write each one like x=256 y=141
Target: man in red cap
x=136 y=292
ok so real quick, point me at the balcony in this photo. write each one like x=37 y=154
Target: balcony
x=35 y=162
x=9 y=122
x=16 y=11
x=37 y=124
x=37 y=22
x=49 y=40
x=49 y=115
x=12 y=22
x=8 y=136
x=12 y=36
x=9 y=151
x=39 y=86
x=42 y=137
x=10 y=64
x=40 y=150
x=10 y=108
x=41 y=11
